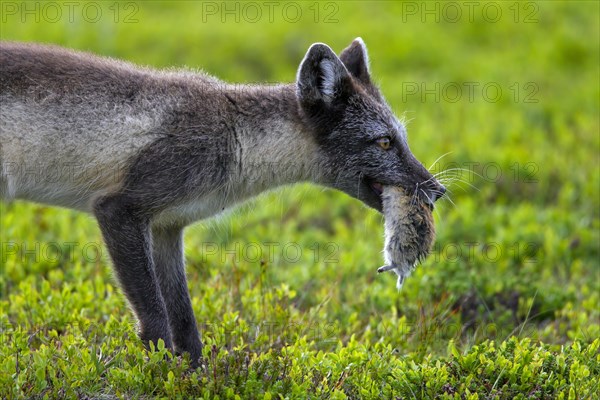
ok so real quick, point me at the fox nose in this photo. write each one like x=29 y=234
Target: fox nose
x=434 y=192
x=438 y=192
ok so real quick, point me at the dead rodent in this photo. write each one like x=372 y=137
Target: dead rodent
x=409 y=232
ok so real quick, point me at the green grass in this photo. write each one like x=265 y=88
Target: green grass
x=285 y=289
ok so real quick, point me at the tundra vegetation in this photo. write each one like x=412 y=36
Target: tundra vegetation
x=286 y=290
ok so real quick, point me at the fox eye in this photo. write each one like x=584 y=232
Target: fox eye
x=384 y=142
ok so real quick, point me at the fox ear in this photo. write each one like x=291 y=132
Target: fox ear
x=356 y=60
x=322 y=77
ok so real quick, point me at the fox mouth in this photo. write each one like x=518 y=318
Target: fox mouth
x=376 y=188
x=371 y=193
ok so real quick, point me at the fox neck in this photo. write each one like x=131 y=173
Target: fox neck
x=274 y=146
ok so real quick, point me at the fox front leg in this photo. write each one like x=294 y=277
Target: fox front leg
x=167 y=244
x=127 y=236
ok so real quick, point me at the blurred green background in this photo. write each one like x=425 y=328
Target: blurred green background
x=507 y=92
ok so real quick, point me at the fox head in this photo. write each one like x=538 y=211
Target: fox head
x=362 y=145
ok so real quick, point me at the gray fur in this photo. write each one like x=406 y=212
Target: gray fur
x=149 y=152
x=409 y=232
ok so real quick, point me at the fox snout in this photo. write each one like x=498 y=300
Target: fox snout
x=431 y=191
x=424 y=184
